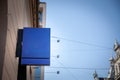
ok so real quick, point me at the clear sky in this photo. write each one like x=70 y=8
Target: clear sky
x=87 y=30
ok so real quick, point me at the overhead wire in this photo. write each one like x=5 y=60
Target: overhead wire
x=80 y=42
x=80 y=68
x=67 y=70
x=75 y=68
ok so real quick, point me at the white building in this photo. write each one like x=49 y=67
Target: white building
x=117 y=60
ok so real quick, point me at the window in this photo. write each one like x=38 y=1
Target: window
x=40 y=15
x=37 y=73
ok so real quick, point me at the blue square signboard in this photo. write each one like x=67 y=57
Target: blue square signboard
x=36 y=46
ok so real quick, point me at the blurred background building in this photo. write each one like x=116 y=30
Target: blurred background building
x=14 y=15
x=117 y=60
x=114 y=71
x=96 y=77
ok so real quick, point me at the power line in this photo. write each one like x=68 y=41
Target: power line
x=67 y=70
x=75 y=68
x=80 y=68
x=80 y=42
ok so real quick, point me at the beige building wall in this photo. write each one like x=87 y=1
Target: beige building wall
x=14 y=15
x=19 y=16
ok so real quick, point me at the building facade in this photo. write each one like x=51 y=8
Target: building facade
x=96 y=77
x=14 y=15
x=114 y=72
x=117 y=60
x=111 y=73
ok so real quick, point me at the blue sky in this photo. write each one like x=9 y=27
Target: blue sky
x=87 y=30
